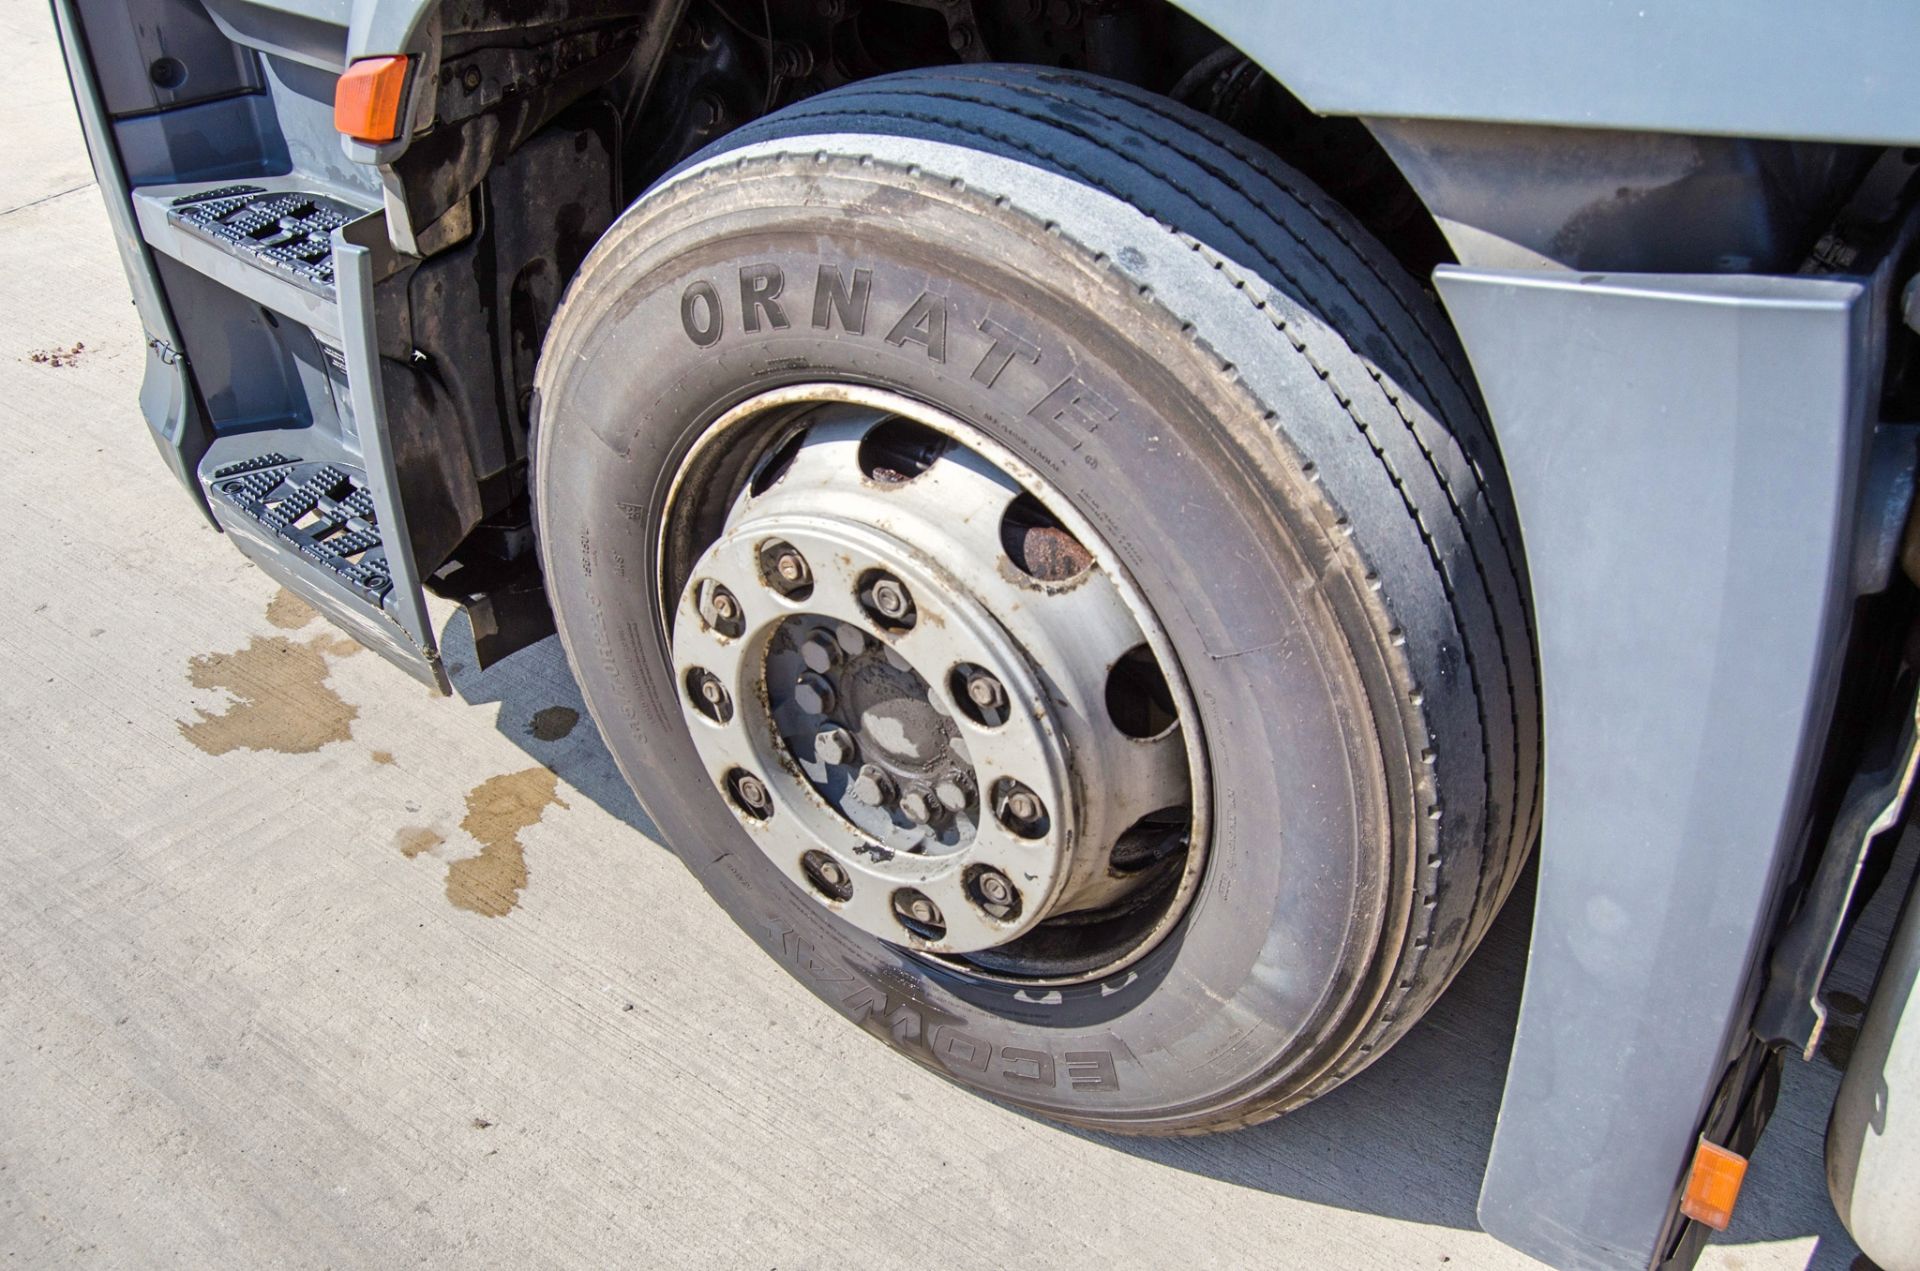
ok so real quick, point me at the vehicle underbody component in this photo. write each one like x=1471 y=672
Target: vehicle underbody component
x=1791 y=1011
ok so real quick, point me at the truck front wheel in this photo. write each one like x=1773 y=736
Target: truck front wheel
x=1041 y=565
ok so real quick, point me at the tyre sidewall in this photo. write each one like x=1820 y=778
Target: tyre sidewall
x=1130 y=419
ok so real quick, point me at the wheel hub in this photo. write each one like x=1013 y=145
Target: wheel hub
x=913 y=714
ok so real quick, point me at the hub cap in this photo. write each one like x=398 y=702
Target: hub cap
x=937 y=707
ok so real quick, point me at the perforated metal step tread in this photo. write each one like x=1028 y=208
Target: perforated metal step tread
x=323 y=511
x=286 y=231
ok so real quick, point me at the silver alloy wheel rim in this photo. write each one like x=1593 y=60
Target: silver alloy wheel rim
x=830 y=644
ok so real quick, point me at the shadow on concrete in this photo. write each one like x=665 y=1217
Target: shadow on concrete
x=1406 y=1139
x=532 y=687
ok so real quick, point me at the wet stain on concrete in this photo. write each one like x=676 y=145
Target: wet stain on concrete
x=282 y=701
x=412 y=840
x=383 y=756
x=288 y=612
x=553 y=723
x=498 y=809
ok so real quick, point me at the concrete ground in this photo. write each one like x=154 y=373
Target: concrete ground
x=302 y=966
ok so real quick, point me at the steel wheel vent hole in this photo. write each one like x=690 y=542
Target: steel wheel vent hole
x=919 y=915
x=827 y=876
x=749 y=794
x=785 y=570
x=1155 y=837
x=979 y=693
x=896 y=450
x=887 y=601
x=1020 y=809
x=1139 y=701
x=1038 y=545
x=720 y=609
x=775 y=465
x=708 y=695
x=992 y=892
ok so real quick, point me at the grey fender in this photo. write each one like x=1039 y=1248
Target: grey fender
x=1686 y=455
x=1744 y=68
x=1749 y=68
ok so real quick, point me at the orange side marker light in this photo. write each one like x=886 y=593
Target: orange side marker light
x=367 y=101
x=1713 y=1184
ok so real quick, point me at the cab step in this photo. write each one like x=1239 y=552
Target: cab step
x=299 y=469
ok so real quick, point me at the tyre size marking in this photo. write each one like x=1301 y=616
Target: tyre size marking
x=916 y=1025
x=842 y=298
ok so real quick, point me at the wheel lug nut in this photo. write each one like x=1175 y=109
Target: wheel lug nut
x=813 y=695
x=833 y=745
x=710 y=696
x=985 y=692
x=979 y=693
x=954 y=793
x=873 y=786
x=786 y=571
x=920 y=915
x=886 y=598
x=890 y=598
x=993 y=891
x=1020 y=809
x=719 y=609
x=828 y=876
x=851 y=639
x=922 y=807
x=750 y=793
x=820 y=652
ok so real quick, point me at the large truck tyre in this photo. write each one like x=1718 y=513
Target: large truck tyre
x=1042 y=566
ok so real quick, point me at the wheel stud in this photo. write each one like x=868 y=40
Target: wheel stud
x=873 y=786
x=813 y=695
x=820 y=652
x=1020 y=809
x=750 y=793
x=833 y=746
